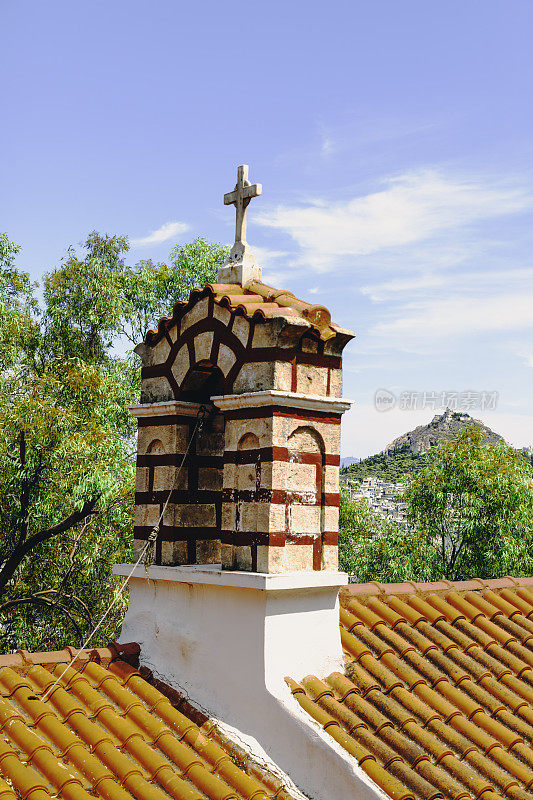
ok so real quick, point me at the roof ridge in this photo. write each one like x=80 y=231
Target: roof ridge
x=23 y=659
x=442 y=585
x=273 y=303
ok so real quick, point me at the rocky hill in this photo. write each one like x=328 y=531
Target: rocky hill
x=444 y=426
x=409 y=453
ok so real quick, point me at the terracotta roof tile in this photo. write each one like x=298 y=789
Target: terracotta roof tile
x=258 y=301
x=100 y=727
x=438 y=689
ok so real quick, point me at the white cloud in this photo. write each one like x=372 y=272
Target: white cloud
x=460 y=316
x=167 y=231
x=495 y=280
x=411 y=208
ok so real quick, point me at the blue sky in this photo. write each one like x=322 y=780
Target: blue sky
x=393 y=141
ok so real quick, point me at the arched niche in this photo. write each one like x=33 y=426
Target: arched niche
x=304 y=508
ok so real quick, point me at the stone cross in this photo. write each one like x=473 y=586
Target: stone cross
x=240 y=197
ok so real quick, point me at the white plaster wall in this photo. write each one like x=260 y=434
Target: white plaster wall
x=229 y=648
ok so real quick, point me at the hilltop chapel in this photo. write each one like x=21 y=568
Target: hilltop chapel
x=248 y=668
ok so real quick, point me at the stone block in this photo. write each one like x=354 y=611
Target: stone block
x=210 y=478
x=335 y=380
x=254 y=516
x=241 y=329
x=276 y=517
x=226 y=358
x=142 y=476
x=311 y=379
x=264 y=335
x=331 y=479
x=255 y=377
x=297 y=557
x=160 y=351
x=208 y=551
x=304 y=519
x=181 y=364
x=228 y=475
x=154 y=390
x=173 y=553
x=195 y=515
x=228 y=516
x=203 y=343
x=210 y=441
x=222 y=314
x=198 y=312
x=246 y=476
x=237 y=428
x=242 y=558
x=173 y=437
x=164 y=477
x=331 y=518
x=283 y=376
x=146 y=515
x=330 y=557
x=227 y=553
x=301 y=477
x=138 y=545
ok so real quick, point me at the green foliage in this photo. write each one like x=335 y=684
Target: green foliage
x=67 y=450
x=470 y=513
x=474 y=504
x=392 y=466
x=150 y=290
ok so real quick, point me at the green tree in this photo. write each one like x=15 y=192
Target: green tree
x=470 y=513
x=67 y=449
x=474 y=505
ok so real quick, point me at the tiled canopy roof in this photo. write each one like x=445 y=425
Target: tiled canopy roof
x=437 y=699
x=254 y=300
x=108 y=730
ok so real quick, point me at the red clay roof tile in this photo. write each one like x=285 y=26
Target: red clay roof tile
x=106 y=731
x=438 y=686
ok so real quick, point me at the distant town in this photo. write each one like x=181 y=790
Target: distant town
x=381 y=496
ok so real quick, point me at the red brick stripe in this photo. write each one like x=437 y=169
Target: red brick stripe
x=284 y=411
x=276 y=453
x=169 y=533
x=279 y=497
x=178 y=496
x=174 y=460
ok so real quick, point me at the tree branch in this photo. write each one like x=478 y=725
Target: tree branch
x=42 y=601
x=21 y=551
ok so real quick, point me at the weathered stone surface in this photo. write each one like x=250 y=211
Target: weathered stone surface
x=173 y=553
x=241 y=329
x=141 y=479
x=146 y=515
x=203 y=343
x=198 y=311
x=181 y=364
x=222 y=314
x=210 y=478
x=254 y=377
x=208 y=551
x=283 y=375
x=173 y=437
x=311 y=380
x=156 y=389
x=226 y=358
